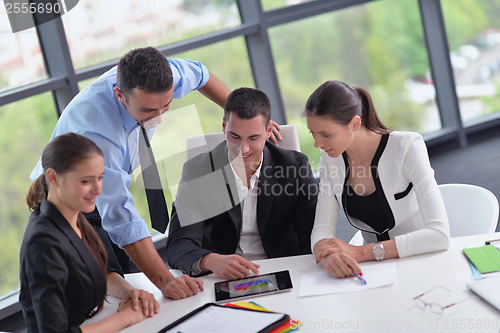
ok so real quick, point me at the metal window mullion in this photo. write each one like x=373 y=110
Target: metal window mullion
x=57 y=59
x=261 y=58
x=442 y=72
x=31 y=89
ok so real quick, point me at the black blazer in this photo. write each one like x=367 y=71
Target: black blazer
x=286 y=207
x=61 y=282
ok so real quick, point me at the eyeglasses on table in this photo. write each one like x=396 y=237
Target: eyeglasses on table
x=433 y=306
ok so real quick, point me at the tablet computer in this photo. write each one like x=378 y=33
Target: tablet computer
x=264 y=284
x=216 y=318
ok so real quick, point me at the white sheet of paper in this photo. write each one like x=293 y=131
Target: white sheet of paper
x=321 y=283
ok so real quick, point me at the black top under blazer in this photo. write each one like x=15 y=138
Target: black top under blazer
x=61 y=282
x=284 y=220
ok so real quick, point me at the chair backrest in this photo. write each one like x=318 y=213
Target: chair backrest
x=202 y=143
x=471 y=209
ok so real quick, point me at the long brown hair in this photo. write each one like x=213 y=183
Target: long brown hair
x=63 y=154
x=340 y=102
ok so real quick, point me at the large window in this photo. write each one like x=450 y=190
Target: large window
x=352 y=45
x=474 y=40
x=194 y=114
x=25 y=128
x=99 y=31
x=20 y=57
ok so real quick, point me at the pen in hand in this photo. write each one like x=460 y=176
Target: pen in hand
x=360 y=278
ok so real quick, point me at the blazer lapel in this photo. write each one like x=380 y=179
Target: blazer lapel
x=266 y=182
x=221 y=161
x=86 y=256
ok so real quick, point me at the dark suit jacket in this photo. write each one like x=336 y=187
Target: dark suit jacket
x=61 y=282
x=286 y=207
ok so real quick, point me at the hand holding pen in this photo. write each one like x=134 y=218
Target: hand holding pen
x=331 y=253
x=360 y=278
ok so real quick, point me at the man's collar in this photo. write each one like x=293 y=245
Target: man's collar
x=256 y=173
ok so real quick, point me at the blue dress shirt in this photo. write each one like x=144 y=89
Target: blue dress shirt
x=97 y=114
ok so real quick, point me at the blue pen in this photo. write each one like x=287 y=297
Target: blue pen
x=360 y=278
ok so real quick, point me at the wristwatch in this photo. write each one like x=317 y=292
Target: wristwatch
x=378 y=251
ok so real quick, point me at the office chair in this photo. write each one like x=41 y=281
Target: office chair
x=471 y=210
x=198 y=144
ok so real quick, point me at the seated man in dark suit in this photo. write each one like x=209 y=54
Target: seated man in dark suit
x=247 y=199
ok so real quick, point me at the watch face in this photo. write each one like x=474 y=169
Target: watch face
x=378 y=251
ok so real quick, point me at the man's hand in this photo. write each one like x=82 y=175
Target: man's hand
x=230 y=266
x=275 y=133
x=181 y=287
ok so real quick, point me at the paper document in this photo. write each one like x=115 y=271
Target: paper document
x=322 y=283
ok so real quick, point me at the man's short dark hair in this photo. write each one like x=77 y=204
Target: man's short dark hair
x=146 y=69
x=248 y=103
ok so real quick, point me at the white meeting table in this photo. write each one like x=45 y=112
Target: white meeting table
x=385 y=309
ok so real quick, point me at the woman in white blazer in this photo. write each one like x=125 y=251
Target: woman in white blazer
x=381 y=179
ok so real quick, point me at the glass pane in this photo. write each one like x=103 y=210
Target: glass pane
x=473 y=31
x=192 y=115
x=25 y=128
x=228 y=60
x=21 y=60
x=195 y=114
x=99 y=31
x=383 y=52
x=273 y=4
x=85 y=83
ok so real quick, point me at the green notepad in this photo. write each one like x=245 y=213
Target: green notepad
x=485 y=258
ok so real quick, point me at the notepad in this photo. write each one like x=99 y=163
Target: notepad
x=485 y=258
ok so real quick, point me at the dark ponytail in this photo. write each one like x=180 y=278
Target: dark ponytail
x=369 y=116
x=38 y=191
x=63 y=154
x=340 y=102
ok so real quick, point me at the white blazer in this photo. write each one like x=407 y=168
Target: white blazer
x=410 y=195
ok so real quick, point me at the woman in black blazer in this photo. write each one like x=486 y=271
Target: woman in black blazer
x=63 y=262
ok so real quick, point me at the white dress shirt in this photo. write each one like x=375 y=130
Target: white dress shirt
x=250 y=245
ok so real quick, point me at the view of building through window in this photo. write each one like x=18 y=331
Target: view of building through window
x=388 y=68
x=474 y=40
x=21 y=61
x=274 y=4
x=99 y=31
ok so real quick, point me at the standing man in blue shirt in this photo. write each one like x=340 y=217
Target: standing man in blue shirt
x=110 y=112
